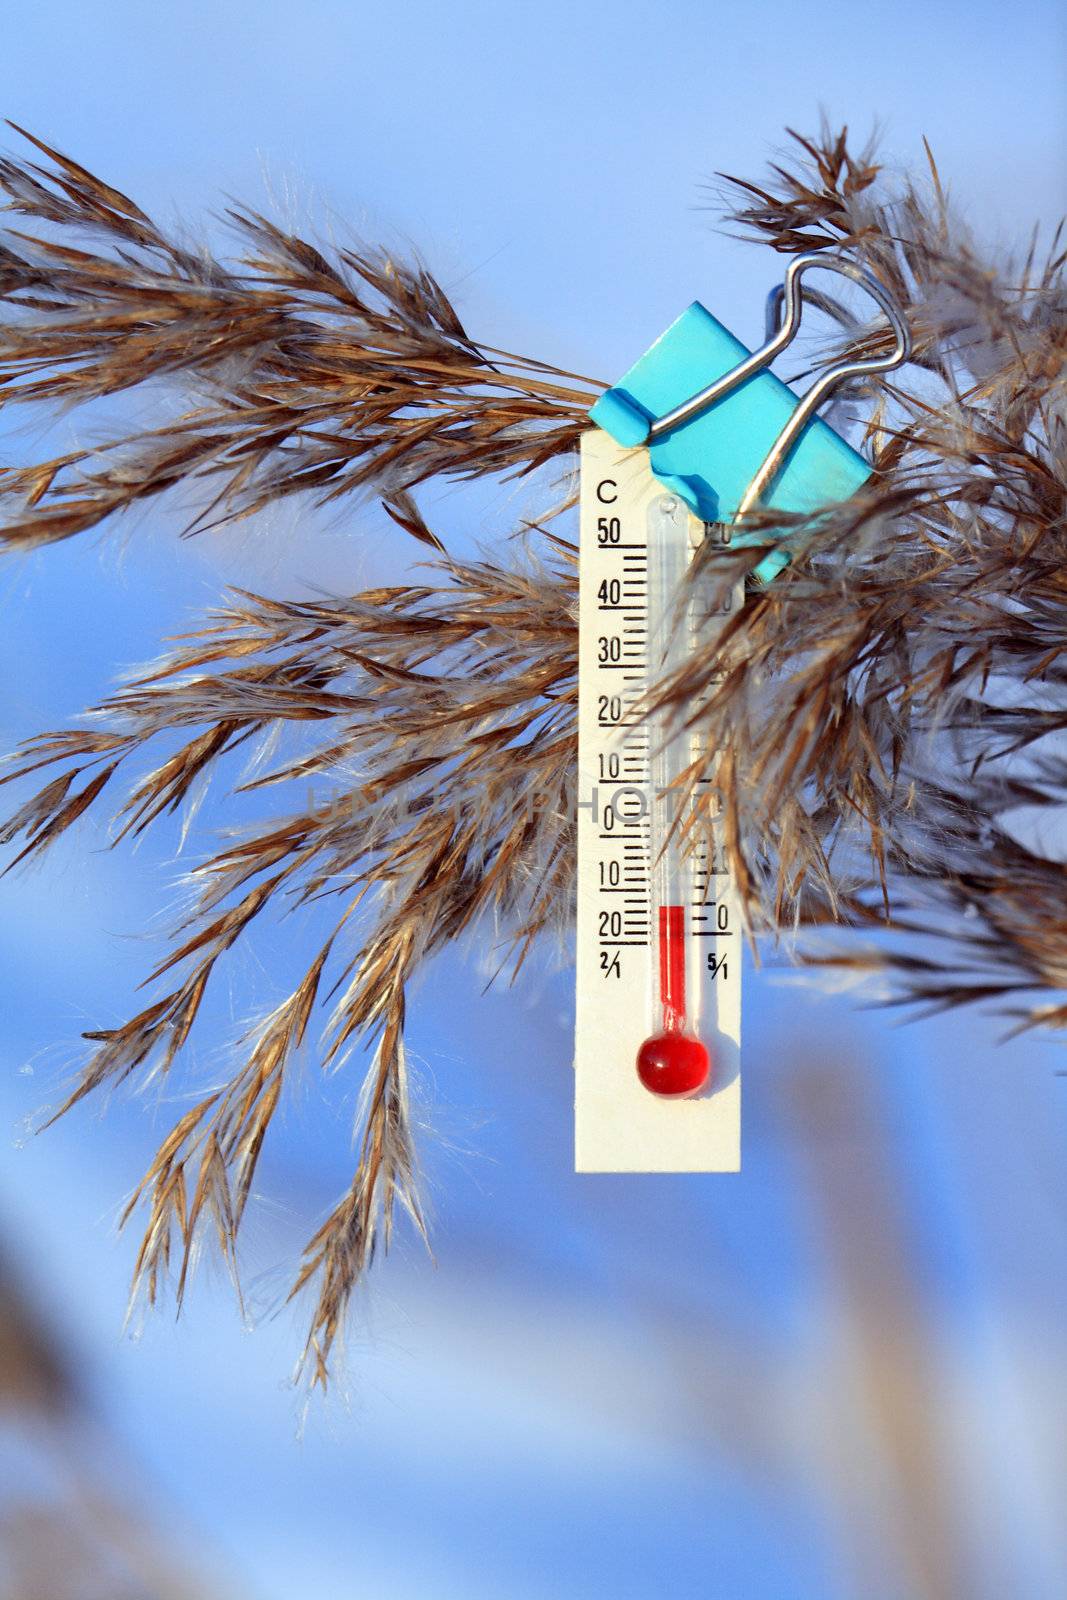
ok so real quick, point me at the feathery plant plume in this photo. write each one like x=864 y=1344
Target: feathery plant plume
x=885 y=705
x=320 y=375
x=870 y=718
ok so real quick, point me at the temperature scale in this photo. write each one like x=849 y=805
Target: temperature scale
x=659 y=945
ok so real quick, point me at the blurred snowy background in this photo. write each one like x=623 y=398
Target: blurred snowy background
x=839 y=1375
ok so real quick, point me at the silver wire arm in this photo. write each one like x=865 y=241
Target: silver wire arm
x=787 y=301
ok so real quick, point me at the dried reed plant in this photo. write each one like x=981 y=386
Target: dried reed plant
x=888 y=707
x=866 y=715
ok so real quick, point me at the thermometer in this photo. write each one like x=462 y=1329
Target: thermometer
x=658 y=950
x=699 y=428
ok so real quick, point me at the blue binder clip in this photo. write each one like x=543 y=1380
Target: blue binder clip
x=724 y=433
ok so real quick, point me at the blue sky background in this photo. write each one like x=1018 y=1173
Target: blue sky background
x=712 y=1387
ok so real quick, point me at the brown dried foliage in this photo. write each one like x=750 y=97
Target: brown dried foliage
x=317 y=373
x=874 y=708
x=888 y=703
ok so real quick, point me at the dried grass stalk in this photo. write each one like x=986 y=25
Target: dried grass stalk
x=887 y=704
x=443 y=797
x=309 y=373
x=871 y=717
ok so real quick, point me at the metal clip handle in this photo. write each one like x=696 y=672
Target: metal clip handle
x=789 y=296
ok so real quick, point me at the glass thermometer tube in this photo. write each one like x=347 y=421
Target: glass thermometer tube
x=673 y=1061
